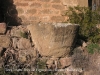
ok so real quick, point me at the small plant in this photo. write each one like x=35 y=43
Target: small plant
x=93 y=47
x=41 y=65
x=24 y=35
x=87 y=19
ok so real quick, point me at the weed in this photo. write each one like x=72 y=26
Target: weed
x=24 y=35
x=87 y=19
x=93 y=47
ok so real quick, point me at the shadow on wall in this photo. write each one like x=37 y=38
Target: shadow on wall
x=8 y=13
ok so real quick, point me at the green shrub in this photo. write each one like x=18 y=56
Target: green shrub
x=42 y=65
x=24 y=35
x=93 y=47
x=87 y=19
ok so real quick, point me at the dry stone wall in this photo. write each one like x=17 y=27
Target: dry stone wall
x=45 y=10
x=18 y=52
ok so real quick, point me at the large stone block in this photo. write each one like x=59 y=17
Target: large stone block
x=70 y=2
x=83 y=3
x=31 y=11
x=36 y=5
x=58 y=18
x=53 y=39
x=27 y=54
x=22 y=4
x=58 y=7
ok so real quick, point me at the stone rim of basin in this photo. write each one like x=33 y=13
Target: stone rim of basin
x=63 y=24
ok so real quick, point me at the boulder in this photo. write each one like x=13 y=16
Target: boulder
x=65 y=62
x=2 y=28
x=27 y=54
x=23 y=43
x=18 y=31
x=53 y=39
x=50 y=62
x=4 y=41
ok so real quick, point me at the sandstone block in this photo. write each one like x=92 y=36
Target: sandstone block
x=53 y=39
x=56 y=1
x=46 y=5
x=29 y=0
x=4 y=41
x=65 y=61
x=50 y=62
x=31 y=11
x=18 y=31
x=70 y=3
x=44 y=0
x=36 y=5
x=45 y=18
x=34 y=18
x=23 y=43
x=21 y=4
x=58 y=7
x=2 y=28
x=46 y=11
x=57 y=18
x=83 y=3
x=27 y=54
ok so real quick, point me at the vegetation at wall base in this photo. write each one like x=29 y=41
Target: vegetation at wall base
x=41 y=65
x=93 y=47
x=87 y=19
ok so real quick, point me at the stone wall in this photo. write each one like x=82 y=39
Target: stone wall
x=45 y=10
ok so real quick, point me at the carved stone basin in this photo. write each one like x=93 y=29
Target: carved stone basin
x=53 y=39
